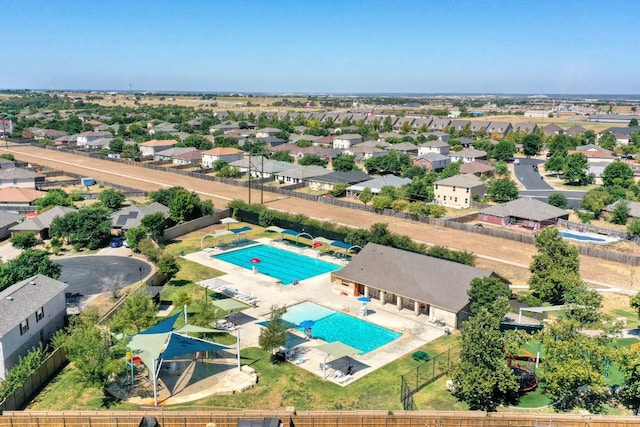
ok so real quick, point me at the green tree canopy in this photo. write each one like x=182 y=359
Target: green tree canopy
x=54 y=197
x=558 y=200
x=137 y=313
x=576 y=169
x=502 y=190
x=617 y=173
x=88 y=228
x=112 y=199
x=312 y=159
x=154 y=223
x=28 y=264
x=491 y=293
x=274 y=334
x=24 y=240
x=503 y=150
x=608 y=141
x=344 y=163
x=532 y=144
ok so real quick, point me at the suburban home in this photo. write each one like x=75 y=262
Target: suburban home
x=634 y=209
x=150 y=148
x=170 y=153
x=479 y=126
x=458 y=125
x=162 y=127
x=267 y=132
x=397 y=125
x=8 y=220
x=437 y=146
x=6 y=127
x=227 y=154
x=17 y=177
x=525 y=127
x=98 y=144
x=575 y=130
x=20 y=199
x=438 y=124
x=436 y=135
x=193 y=157
x=261 y=166
x=597 y=158
x=346 y=141
x=299 y=174
x=500 y=129
x=421 y=122
x=552 y=129
x=431 y=161
x=404 y=148
x=362 y=152
x=40 y=134
x=41 y=223
x=458 y=191
x=32 y=311
x=131 y=216
x=468 y=155
x=84 y=138
x=7 y=164
x=428 y=286
x=328 y=182
x=622 y=134
x=375 y=185
x=478 y=168
x=531 y=214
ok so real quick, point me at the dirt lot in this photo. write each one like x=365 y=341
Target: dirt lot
x=507 y=258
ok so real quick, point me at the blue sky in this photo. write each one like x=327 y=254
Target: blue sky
x=330 y=46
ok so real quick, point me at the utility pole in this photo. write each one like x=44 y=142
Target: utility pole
x=249 y=169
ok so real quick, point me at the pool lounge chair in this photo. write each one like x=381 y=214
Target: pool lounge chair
x=343 y=379
x=299 y=360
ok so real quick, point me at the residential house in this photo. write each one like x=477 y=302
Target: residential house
x=431 y=161
x=261 y=167
x=385 y=136
x=500 y=129
x=41 y=223
x=162 y=127
x=397 y=125
x=150 y=148
x=343 y=142
x=598 y=158
x=634 y=209
x=299 y=174
x=193 y=158
x=375 y=185
x=361 y=153
x=468 y=155
x=7 y=220
x=458 y=125
x=17 y=177
x=552 y=129
x=267 y=132
x=421 y=122
x=32 y=311
x=479 y=127
x=6 y=127
x=131 y=216
x=531 y=214
x=404 y=148
x=458 y=191
x=83 y=139
x=436 y=135
x=432 y=287
x=465 y=141
x=575 y=130
x=439 y=123
x=171 y=153
x=478 y=168
x=98 y=144
x=227 y=154
x=7 y=164
x=525 y=127
x=329 y=181
x=20 y=199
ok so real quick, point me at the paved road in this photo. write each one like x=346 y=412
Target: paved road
x=485 y=247
x=537 y=188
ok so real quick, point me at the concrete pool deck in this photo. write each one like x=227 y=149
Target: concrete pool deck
x=416 y=330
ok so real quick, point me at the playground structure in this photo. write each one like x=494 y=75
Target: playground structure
x=520 y=365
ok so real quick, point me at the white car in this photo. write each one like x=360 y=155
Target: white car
x=516 y=162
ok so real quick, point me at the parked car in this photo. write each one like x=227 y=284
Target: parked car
x=116 y=242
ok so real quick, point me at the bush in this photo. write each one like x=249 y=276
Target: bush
x=24 y=240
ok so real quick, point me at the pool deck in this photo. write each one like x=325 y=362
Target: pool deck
x=416 y=331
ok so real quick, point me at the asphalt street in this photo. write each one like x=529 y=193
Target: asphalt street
x=535 y=185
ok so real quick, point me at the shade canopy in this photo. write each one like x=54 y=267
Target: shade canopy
x=337 y=349
x=307 y=323
x=229 y=220
x=364 y=299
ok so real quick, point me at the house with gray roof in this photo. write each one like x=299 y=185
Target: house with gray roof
x=328 y=181
x=171 y=153
x=261 y=166
x=32 y=311
x=431 y=161
x=436 y=146
x=17 y=177
x=634 y=209
x=131 y=216
x=552 y=129
x=7 y=164
x=531 y=214
x=343 y=142
x=40 y=224
x=525 y=127
x=404 y=148
x=7 y=220
x=458 y=191
x=499 y=128
x=439 y=123
x=428 y=286
x=299 y=174
x=468 y=155
x=375 y=185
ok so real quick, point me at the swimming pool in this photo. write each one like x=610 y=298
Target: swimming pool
x=582 y=237
x=284 y=265
x=331 y=326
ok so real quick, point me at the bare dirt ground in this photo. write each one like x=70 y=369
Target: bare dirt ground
x=510 y=259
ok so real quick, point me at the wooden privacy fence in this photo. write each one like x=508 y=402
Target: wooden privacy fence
x=311 y=419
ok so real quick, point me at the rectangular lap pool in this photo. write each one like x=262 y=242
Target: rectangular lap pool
x=330 y=326
x=284 y=265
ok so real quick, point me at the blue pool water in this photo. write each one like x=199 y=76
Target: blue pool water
x=333 y=326
x=284 y=265
x=581 y=237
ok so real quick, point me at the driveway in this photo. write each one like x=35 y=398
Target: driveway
x=97 y=274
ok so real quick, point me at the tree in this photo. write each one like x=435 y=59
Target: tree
x=633 y=227
x=608 y=141
x=18 y=374
x=635 y=302
x=503 y=150
x=555 y=163
x=555 y=269
x=275 y=334
x=344 y=163
x=502 y=190
x=155 y=224
x=116 y=144
x=531 y=144
x=112 y=199
x=24 y=240
x=282 y=156
x=28 y=264
x=461 y=257
x=204 y=313
x=138 y=312
x=617 y=173
x=633 y=122
x=89 y=227
x=186 y=205
x=576 y=169
x=134 y=235
x=482 y=377
x=558 y=200
x=489 y=292
x=168 y=266
x=620 y=213
x=54 y=197
x=595 y=200
x=197 y=141
x=89 y=349
x=312 y=159
x=366 y=195
x=380 y=202
x=130 y=151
